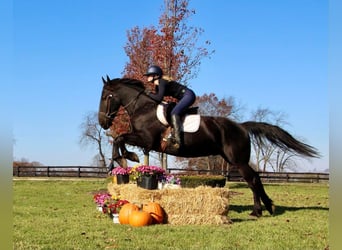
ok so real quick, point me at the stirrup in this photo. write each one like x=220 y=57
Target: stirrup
x=173 y=143
x=176 y=145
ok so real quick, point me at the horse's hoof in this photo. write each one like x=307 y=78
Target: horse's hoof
x=271 y=208
x=133 y=157
x=256 y=213
x=122 y=162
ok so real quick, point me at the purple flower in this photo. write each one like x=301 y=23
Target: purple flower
x=171 y=179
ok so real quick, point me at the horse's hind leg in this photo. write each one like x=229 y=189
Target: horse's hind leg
x=254 y=182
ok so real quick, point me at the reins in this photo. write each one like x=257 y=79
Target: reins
x=109 y=97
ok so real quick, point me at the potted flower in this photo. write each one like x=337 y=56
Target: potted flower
x=113 y=207
x=149 y=170
x=101 y=200
x=170 y=181
x=121 y=174
x=147 y=176
x=109 y=204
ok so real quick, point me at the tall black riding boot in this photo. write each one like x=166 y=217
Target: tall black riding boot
x=176 y=124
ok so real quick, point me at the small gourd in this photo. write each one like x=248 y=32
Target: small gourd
x=156 y=211
x=126 y=211
x=140 y=218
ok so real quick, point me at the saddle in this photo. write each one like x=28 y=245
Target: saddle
x=190 y=121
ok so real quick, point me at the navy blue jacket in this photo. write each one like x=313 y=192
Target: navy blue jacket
x=168 y=88
x=185 y=96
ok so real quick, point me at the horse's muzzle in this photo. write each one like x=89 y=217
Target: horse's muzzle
x=104 y=121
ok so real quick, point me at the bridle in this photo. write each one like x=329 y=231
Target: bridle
x=109 y=114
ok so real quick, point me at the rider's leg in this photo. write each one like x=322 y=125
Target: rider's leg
x=187 y=100
x=176 y=124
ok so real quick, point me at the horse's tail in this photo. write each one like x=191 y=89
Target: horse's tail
x=279 y=137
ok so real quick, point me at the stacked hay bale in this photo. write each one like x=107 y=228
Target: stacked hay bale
x=201 y=205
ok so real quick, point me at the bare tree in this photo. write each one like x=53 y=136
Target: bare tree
x=283 y=160
x=266 y=154
x=93 y=134
x=25 y=162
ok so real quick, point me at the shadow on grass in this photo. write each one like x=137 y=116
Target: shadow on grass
x=278 y=211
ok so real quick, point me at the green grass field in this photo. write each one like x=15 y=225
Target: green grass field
x=60 y=214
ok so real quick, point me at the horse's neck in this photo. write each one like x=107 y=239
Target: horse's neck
x=136 y=101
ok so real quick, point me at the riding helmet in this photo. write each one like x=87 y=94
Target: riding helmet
x=154 y=70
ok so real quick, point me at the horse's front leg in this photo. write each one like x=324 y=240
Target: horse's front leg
x=125 y=154
x=128 y=154
x=116 y=155
x=120 y=140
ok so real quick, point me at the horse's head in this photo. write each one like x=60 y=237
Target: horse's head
x=109 y=105
x=118 y=92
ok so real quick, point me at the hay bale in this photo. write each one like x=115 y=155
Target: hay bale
x=197 y=219
x=201 y=205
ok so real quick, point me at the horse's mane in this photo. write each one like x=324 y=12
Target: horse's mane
x=134 y=83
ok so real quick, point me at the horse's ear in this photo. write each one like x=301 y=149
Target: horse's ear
x=103 y=80
x=108 y=79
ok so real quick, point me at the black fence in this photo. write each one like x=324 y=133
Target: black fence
x=265 y=176
x=59 y=171
x=101 y=172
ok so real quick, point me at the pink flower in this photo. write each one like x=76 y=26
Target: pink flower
x=150 y=170
x=121 y=170
x=101 y=198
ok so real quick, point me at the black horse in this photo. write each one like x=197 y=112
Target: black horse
x=215 y=136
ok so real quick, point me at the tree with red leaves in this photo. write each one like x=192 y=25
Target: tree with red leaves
x=172 y=46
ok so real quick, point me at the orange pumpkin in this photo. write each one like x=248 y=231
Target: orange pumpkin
x=126 y=211
x=140 y=218
x=156 y=212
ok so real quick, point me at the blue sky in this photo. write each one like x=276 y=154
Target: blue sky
x=269 y=54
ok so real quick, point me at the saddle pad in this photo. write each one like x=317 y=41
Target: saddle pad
x=190 y=123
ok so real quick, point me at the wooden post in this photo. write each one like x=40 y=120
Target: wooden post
x=164 y=161
x=146 y=159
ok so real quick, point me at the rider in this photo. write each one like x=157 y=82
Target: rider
x=166 y=87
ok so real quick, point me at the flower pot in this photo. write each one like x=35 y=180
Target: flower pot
x=147 y=182
x=116 y=218
x=171 y=186
x=122 y=178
